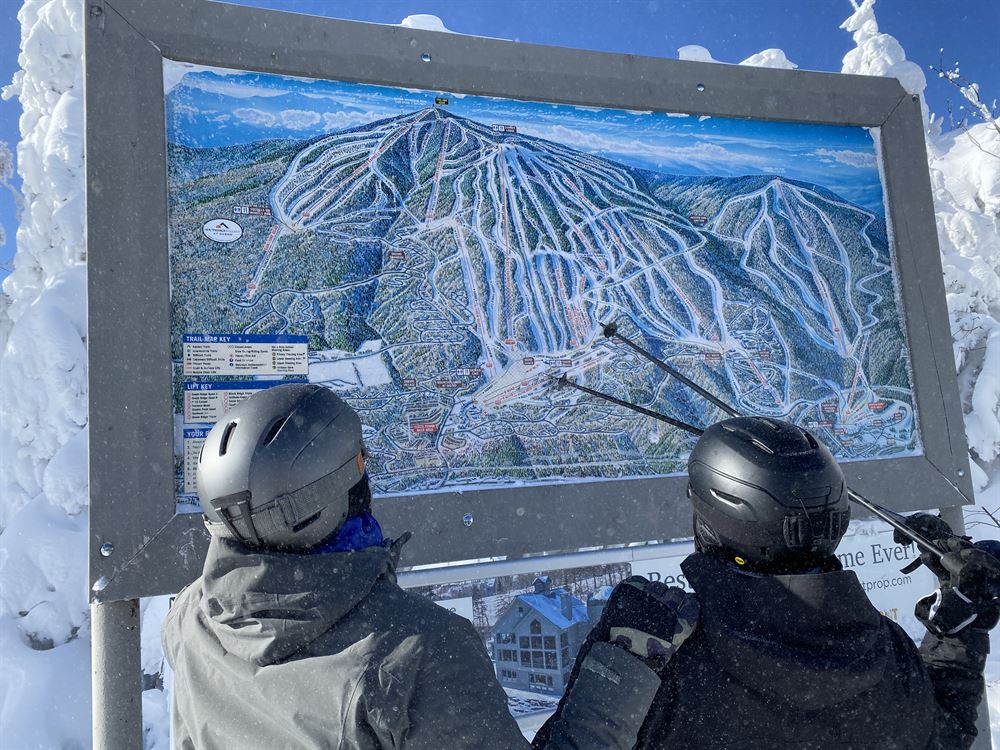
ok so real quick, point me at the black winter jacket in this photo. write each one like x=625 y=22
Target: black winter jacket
x=805 y=661
x=801 y=661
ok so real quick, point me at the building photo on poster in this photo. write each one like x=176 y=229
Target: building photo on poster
x=532 y=625
x=440 y=259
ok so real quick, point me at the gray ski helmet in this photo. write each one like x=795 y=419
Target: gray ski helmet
x=767 y=492
x=275 y=471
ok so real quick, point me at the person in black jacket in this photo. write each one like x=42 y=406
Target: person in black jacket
x=789 y=652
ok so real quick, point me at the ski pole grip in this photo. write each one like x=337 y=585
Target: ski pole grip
x=952 y=563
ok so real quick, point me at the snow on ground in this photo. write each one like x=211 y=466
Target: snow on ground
x=44 y=635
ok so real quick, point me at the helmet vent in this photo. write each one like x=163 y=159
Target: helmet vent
x=810 y=439
x=761 y=445
x=226 y=435
x=302 y=524
x=273 y=431
x=726 y=497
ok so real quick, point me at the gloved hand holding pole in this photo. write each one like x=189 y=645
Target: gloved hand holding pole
x=649 y=619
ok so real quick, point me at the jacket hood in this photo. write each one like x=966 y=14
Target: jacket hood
x=809 y=640
x=265 y=606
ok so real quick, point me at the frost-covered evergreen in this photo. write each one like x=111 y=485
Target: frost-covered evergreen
x=43 y=399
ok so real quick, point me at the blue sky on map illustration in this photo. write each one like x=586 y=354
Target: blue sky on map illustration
x=208 y=108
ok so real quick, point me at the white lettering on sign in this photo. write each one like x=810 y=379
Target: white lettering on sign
x=247 y=358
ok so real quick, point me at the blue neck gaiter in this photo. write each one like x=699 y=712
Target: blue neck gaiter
x=357 y=532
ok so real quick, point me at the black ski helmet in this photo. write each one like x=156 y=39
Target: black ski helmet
x=767 y=493
x=277 y=469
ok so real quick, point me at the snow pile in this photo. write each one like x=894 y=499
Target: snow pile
x=425 y=21
x=43 y=405
x=695 y=53
x=770 y=58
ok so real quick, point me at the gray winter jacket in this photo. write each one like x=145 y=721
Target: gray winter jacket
x=273 y=650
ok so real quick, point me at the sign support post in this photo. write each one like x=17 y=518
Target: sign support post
x=116 y=669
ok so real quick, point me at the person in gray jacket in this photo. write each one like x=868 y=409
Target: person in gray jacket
x=297 y=635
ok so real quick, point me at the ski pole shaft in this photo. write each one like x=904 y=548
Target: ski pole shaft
x=634 y=407
x=893 y=519
x=896 y=521
x=611 y=331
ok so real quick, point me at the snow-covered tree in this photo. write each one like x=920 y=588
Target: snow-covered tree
x=45 y=679
x=6 y=172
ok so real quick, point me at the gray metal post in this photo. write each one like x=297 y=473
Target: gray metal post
x=955 y=517
x=116 y=674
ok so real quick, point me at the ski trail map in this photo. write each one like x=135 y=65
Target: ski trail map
x=447 y=257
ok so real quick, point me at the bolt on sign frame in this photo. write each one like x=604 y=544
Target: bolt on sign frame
x=148 y=549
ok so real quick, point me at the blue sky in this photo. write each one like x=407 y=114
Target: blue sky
x=217 y=107
x=732 y=29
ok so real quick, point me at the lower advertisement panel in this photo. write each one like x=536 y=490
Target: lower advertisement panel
x=534 y=622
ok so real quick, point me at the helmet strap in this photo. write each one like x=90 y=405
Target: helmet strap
x=359 y=497
x=240 y=501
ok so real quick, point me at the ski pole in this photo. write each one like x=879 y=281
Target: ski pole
x=611 y=331
x=629 y=405
x=896 y=521
x=890 y=517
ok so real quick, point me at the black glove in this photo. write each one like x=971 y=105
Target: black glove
x=650 y=619
x=934 y=529
x=970 y=589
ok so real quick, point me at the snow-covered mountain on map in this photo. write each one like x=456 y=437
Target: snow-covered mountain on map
x=455 y=266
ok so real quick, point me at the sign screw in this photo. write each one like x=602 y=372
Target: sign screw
x=700 y=87
x=107 y=549
x=467 y=519
x=426 y=57
x=961 y=472
x=96 y=11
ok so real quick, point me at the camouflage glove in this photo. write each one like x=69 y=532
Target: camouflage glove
x=970 y=589
x=650 y=619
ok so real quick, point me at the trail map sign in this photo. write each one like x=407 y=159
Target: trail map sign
x=444 y=268
x=436 y=226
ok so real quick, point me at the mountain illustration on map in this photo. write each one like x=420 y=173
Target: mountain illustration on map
x=447 y=270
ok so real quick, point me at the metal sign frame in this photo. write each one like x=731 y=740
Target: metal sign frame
x=140 y=547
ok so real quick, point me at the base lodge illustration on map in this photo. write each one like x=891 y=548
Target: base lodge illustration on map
x=445 y=271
